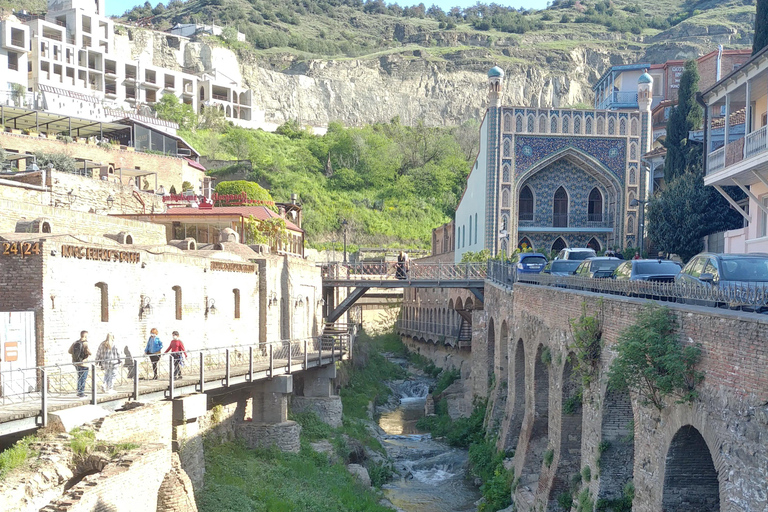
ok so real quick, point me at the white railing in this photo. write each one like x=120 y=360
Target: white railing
x=716 y=161
x=756 y=143
x=389 y=271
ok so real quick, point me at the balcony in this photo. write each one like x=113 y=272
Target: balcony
x=574 y=222
x=618 y=99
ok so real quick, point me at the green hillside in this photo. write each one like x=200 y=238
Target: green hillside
x=352 y=28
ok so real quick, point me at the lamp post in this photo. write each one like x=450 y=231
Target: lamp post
x=641 y=226
x=344 y=229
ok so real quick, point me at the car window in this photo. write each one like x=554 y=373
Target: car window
x=583 y=268
x=711 y=268
x=534 y=260
x=565 y=266
x=561 y=254
x=604 y=265
x=623 y=270
x=695 y=267
x=656 y=267
x=581 y=255
x=745 y=269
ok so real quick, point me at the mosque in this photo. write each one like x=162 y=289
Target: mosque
x=555 y=178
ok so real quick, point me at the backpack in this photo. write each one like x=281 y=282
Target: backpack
x=78 y=351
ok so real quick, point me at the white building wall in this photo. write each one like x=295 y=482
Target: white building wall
x=473 y=202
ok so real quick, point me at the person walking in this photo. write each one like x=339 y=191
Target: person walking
x=108 y=358
x=80 y=352
x=177 y=350
x=402 y=266
x=153 y=350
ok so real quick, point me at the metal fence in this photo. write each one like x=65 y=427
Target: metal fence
x=134 y=376
x=743 y=296
x=428 y=328
x=418 y=271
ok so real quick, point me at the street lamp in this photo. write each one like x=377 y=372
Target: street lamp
x=634 y=203
x=344 y=228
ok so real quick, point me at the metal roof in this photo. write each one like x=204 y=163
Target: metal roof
x=20 y=118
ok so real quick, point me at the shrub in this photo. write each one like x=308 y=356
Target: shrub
x=586 y=332
x=586 y=474
x=549 y=456
x=16 y=455
x=252 y=191
x=652 y=362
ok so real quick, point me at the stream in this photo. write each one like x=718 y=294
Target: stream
x=432 y=475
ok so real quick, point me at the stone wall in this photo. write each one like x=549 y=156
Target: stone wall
x=129 y=484
x=142 y=423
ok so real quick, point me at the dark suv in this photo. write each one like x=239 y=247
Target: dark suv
x=734 y=275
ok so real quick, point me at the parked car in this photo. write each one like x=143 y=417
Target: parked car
x=561 y=267
x=733 y=274
x=663 y=271
x=576 y=254
x=531 y=263
x=600 y=267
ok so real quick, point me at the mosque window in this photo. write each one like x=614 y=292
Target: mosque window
x=560 y=209
x=633 y=127
x=611 y=126
x=507 y=122
x=505 y=172
x=566 y=124
x=531 y=123
x=632 y=176
x=633 y=151
x=630 y=225
x=553 y=125
x=577 y=124
x=588 y=126
x=600 y=125
x=623 y=127
x=525 y=204
x=542 y=124
x=595 y=206
x=507 y=148
x=631 y=198
x=505 y=198
x=504 y=222
x=177 y=301
x=519 y=123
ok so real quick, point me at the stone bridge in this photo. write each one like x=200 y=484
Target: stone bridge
x=706 y=456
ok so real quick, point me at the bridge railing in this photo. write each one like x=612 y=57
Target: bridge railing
x=428 y=328
x=418 y=271
x=135 y=375
x=743 y=296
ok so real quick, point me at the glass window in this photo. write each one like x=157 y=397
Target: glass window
x=711 y=268
x=525 y=204
x=656 y=267
x=695 y=267
x=534 y=260
x=764 y=218
x=745 y=269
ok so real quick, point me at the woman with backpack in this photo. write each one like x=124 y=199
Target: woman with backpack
x=108 y=358
x=153 y=349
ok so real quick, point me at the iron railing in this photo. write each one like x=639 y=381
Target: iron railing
x=418 y=271
x=743 y=296
x=134 y=376
x=438 y=329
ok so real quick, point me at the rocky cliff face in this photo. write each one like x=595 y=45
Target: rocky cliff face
x=439 y=78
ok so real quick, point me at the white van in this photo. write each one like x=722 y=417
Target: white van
x=576 y=254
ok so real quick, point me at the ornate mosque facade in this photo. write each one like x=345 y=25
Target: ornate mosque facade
x=555 y=178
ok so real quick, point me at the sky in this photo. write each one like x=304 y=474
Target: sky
x=118 y=7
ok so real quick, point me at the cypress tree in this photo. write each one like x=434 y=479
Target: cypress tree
x=760 y=40
x=686 y=116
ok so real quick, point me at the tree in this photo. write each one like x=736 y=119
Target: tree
x=238 y=142
x=652 y=362
x=269 y=231
x=760 y=39
x=686 y=116
x=686 y=211
x=252 y=191
x=171 y=109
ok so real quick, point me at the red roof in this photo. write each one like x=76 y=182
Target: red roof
x=258 y=213
x=194 y=164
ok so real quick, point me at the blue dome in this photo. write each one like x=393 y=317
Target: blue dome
x=645 y=78
x=496 y=71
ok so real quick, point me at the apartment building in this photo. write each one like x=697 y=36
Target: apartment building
x=78 y=62
x=736 y=148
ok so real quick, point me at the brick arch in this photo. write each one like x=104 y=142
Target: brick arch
x=618 y=458
x=539 y=432
x=517 y=395
x=690 y=477
x=569 y=452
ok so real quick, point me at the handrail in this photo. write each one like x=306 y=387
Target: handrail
x=134 y=375
x=388 y=271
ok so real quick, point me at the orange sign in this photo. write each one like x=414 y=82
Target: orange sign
x=11 y=351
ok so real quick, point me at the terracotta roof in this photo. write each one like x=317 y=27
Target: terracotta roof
x=661 y=150
x=737 y=118
x=194 y=164
x=258 y=212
